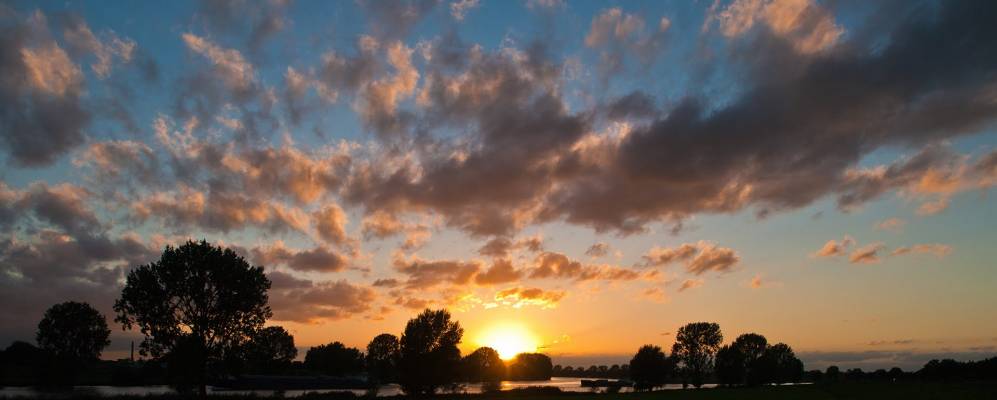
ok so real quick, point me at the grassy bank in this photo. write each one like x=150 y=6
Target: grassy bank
x=905 y=390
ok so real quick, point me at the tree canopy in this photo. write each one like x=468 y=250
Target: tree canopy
x=649 y=368
x=429 y=358
x=269 y=349
x=335 y=359
x=382 y=357
x=205 y=299
x=530 y=367
x=695 y=346
x=484 y=365
x=73 y=331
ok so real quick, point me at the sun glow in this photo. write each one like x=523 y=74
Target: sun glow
x=508 y=340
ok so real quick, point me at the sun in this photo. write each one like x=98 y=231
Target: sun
x=508 y=339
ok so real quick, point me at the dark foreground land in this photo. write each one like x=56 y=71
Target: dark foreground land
x=844 y=390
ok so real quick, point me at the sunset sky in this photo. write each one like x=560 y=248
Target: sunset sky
x=587 y=175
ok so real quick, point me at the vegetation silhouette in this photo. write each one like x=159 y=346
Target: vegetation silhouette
x=198 y=304
x=202 y=309
x=72 y=335
x=695 y=346
x=429 y=357
x=650 y=368
x=484 y=365
x=530 y=367
x=382 y=359
x=335 y=359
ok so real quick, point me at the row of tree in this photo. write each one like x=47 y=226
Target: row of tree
x=698 y=354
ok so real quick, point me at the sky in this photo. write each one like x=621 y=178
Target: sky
x=591 y=175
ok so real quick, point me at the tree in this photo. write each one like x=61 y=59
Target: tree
x=649 y=368
x=695 y=345
x=750 y=347
x=335 y=359
x=531 y=367
x=269 y=350
x=484 y=365
x=73 y=331
x=778 y=365
x=201 y=299
x=429 y=358
x=382 y=358
x=730 y=366
x=833 y=373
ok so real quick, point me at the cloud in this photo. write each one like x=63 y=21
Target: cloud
x=556 y=265
x=937 y=249
x=520 y=297
x=868 y=254
x=395 y=20
x=808 y=26
x=835 y=248
x=44 y=115
x=655 y=294
x=424 y=274
x=698 y=258
x=501 y=271
x=597 y=250
x=758 y=282
x=229 y=65
x=891 y=224
x=218 y=211
x=690 y=284
x=501 y=246
x=330 y=222
x=460 y=8
x=320 y=301
x=617 y=34
x=82 y=40
x=317 y=259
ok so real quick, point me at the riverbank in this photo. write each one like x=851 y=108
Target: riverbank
x=829 y=391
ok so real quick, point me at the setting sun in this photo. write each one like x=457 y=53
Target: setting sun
x=508 y=340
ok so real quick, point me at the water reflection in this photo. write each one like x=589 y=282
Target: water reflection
x=565 y=384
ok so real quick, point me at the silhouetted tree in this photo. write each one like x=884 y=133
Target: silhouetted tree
x=484 y=365
x=73 y=331
x=779 y=365
x=269 y=350
x=382 y=358
x=832 y=373
x=335 y=359
x=695 y=345
x=531 y=367
x=203 y=298
x=429 y=358
x=74 y=334
x=895 y=374
x=649 y=368
x=730 y=366
x=750 y=347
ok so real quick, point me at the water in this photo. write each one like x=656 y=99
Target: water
x=565 y=384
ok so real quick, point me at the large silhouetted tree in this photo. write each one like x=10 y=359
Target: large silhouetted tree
x=729 y=366
x=73 y=331
x=779 y=365
x=531 y=367
x=649 y=368
x=750 y=347
x=695 y=345
x=200 y=300
x=382 y=358
x=484 y=365
x=269 y=350
x=335 y=359
x=429 y=358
